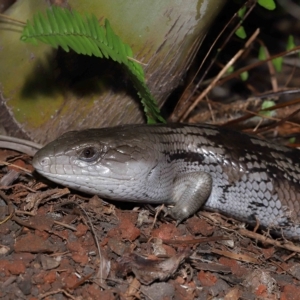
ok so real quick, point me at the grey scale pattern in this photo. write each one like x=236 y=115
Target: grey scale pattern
x=187 y=166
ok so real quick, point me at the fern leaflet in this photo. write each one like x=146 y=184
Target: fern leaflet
x=69 y=30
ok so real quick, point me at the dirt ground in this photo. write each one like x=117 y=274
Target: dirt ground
x=55 y=244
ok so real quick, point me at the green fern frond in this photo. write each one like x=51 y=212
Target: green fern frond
x=69 y=30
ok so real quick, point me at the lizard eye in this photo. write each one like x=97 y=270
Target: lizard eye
x=89 y=154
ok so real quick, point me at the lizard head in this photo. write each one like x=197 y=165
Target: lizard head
x=110 y=162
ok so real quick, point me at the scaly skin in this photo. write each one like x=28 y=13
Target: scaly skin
x=188 y=166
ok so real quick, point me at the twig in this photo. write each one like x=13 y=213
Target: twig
x=18 y=185
x=57 y=292
x=137 y=61
x=236 y=256
x=250 y=114
x=257 y=64
x=96 y=241
x=25 y=213
x=271 y=67
x=182 y=103
x=11 y=19
x=65 y=225
x=289 y=246
x=275 y=124
x=16 y=166
x=221 y=73
x=159 y=209
x=250 y=234
x=197 y=240
x=11 y=210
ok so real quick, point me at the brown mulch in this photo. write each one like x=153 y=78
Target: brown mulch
x=58 y=245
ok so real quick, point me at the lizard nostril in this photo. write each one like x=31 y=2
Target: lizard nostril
x=45 y=161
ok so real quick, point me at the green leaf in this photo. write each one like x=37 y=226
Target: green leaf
x=290 y=43
x=277 y=63
x=262 y=55
x=244 y=75
x=52 y=22
x=59 y=19
x=267 y=4
x=242 y=11
x=230 y=70
x=267 y=104
x=292 y=140
x=45 y=25
x=241 y=33
x=70 y=30
x=37 y=24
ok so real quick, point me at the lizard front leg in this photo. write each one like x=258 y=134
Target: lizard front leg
x=190 y=192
